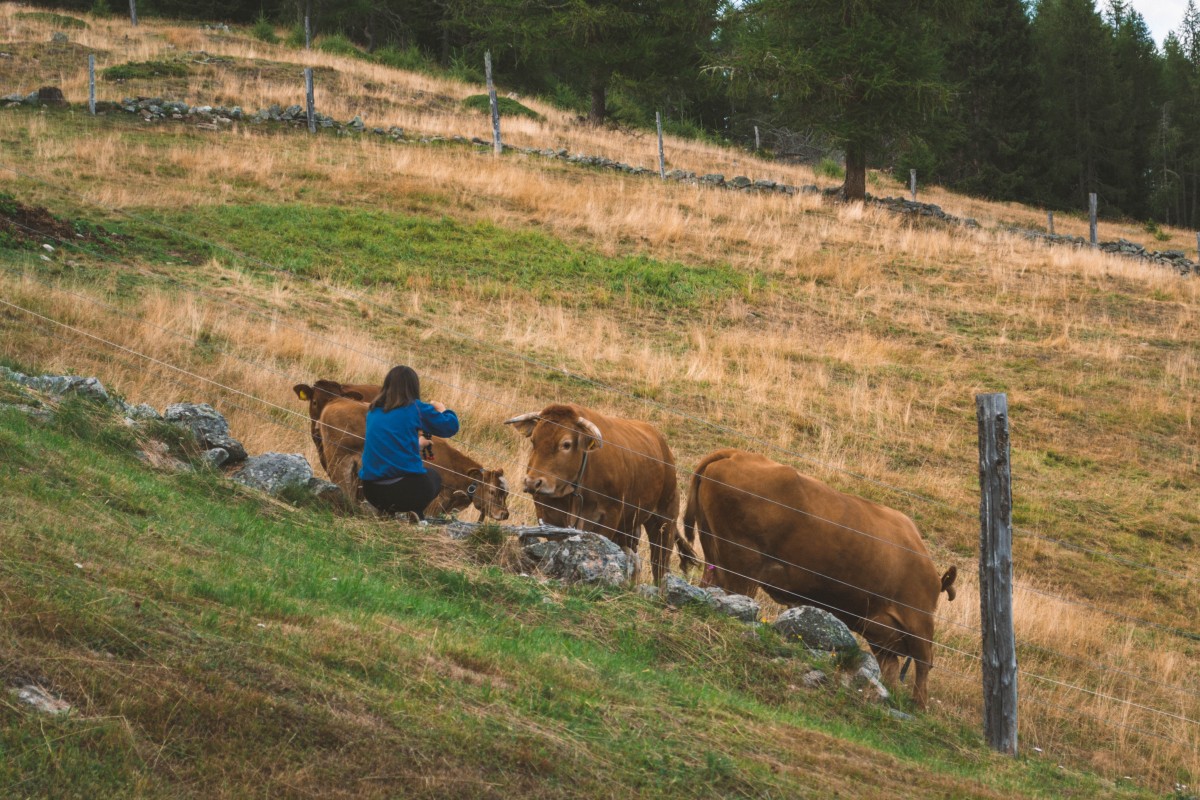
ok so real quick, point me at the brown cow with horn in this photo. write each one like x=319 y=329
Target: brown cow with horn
x=604 y=474
x=339 y=422
x=764 y=524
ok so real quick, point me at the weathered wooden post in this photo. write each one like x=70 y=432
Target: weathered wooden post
x=1050 y=222
x=307 y=24
x=757 y=140
x=662 y=161
x=92 y=84
x=308 y=96
x=912 y=183
x=995 y=574
x=1092 y=216
x=493 y=103
x=133 y=12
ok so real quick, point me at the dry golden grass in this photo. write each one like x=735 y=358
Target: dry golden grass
x=858 y=353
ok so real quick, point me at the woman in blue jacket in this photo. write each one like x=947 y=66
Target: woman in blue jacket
x=394 y=477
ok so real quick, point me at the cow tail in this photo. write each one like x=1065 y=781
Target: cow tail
x=692 y=515
x=948 y=581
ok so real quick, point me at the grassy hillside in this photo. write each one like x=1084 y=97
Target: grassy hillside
x=216 y=644
x=191 y=264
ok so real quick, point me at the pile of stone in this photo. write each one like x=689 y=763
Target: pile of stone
x=1174 y=259
x=911 y=208
x=274 y=473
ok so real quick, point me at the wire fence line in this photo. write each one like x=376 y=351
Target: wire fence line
x=956 y=651
x=680 y=470
x=583 y=378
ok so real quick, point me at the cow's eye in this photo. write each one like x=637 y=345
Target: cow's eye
x=566 y=445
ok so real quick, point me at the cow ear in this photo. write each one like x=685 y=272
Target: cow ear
x=475 y=474
x=524 y=423
x=593 y=439
x=303 y=391
x=354 y=396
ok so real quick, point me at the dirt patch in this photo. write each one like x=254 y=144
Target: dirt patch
x=25 y=226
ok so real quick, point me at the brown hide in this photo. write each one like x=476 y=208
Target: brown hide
x=763 y=524
x=320 y=394
x=465 y=482
x=628 y=481
x=340 y=431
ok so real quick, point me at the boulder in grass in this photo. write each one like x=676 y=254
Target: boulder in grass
x=208 y=426
x=275 y=473
x=587 y=558
x=817 y=629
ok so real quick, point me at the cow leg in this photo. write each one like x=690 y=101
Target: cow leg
x=660 y=533
x=887 y=641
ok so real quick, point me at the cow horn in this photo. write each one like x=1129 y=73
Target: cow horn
x=524 y=423
x=591 y=430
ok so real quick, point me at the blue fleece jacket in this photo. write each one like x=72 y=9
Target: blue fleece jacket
x=392 y=447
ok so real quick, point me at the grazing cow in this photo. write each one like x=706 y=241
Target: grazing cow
x=338 y=432
x=606 y=475
x=763 y=524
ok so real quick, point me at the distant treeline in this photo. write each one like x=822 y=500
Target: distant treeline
x=1041 y=101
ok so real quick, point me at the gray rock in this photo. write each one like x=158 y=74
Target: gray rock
x=816 y=628
x=208 y=426
x=32 y=412
x=215 y=457
x=275 y=472
x=678 y=592
x=62 y=385
x=324 y=490
x=58 y=37
x=814 y=678
x=738 y=606
x=587 y=558
x=648 y=591
x=142 y=411
x=739 y=182
x=40 y=699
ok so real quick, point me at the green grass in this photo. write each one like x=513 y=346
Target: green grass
x=212 y=642
x=368 y=247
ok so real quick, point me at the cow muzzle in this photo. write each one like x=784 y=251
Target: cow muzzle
x=542 y=485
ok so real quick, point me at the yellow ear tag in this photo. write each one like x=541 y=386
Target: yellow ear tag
x=303 y=395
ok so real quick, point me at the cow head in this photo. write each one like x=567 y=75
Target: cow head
x=561 y=438
x=488 y=492
x=320 y=393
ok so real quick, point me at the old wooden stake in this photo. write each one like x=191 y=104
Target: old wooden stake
x=308 y=96
x=1050 y=222
x=497 y=147
x=92 y=84
x=307 y=24
x=912 y=183
x=995 y=574
x=662 y=161
x=133 y=12
x=757 y=141
x=1092 y=216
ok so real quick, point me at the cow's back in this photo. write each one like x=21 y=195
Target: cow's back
x=803 y=540
x=635 y=463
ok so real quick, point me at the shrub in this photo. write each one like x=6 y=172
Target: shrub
x=828 y=168
x=57 y=20
x=264 y=31
x=339 y=45
x=508 y=106
x=145 y=69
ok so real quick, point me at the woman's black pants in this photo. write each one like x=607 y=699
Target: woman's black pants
x=410 y=493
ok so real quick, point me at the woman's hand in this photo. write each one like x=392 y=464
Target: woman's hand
x=438 y=407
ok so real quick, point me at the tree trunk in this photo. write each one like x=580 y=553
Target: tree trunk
x=855 y=187
x=599 y=110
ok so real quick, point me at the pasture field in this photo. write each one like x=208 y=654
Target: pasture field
x=225 y=266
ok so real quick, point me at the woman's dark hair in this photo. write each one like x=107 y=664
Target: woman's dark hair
x=400 y=387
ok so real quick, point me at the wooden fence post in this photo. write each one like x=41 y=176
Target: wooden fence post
x=995 y=574
x=757 y=140
x=307 y=24
x=1050 y=221
x=912 y=183
x=310 y=100
x=1092 y=216
x=92 y=84
x=493 y=103
x=662 y=162
x=133 y=12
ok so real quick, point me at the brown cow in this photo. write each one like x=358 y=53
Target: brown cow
x=763 y=524
x=338 y=433
x=320 y=394
x=607 y=475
